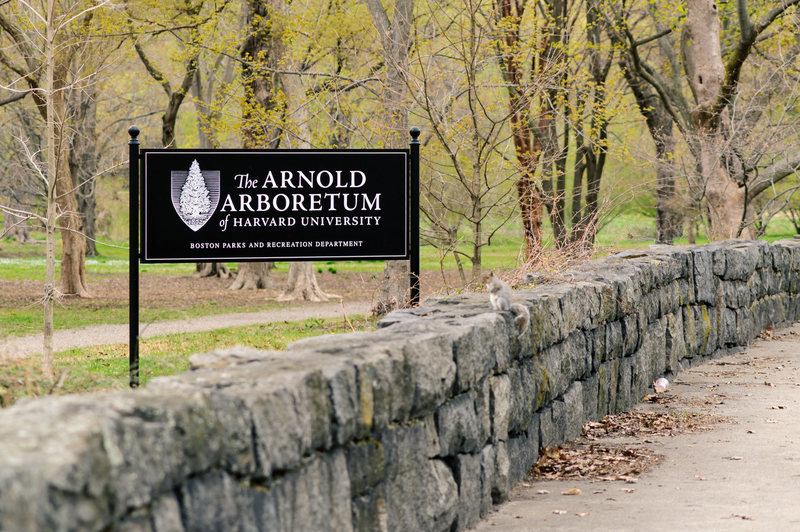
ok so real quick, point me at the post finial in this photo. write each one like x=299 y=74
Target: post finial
x=133 y=131
x=414 y=131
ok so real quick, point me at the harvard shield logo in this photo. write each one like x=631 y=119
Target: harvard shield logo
x=195 y=195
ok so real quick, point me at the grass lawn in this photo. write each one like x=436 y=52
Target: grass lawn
x=106 y=367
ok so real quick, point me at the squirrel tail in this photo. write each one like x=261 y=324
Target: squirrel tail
x=522 y=319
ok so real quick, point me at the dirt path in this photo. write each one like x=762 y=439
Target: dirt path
x=742 y=474
x=12 y=348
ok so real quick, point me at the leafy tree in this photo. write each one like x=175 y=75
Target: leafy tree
x=738 y=149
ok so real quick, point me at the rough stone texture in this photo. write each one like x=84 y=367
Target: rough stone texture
x=421 y=425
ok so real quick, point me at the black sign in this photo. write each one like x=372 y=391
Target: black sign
x=240 y=205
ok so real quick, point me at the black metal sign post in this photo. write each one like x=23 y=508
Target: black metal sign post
x=133 y=258
x=414 y=251
x=270 y=205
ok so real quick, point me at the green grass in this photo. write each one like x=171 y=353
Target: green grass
x=105 y=367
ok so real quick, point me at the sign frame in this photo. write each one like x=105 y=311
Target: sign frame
x=378 y=243
x=137 y=228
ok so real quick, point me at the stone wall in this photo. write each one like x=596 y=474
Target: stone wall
x=421 y=425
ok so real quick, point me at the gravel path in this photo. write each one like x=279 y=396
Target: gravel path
x=18 y=347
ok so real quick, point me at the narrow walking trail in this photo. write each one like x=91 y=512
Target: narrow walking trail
x=740 y=474
x=18 y=347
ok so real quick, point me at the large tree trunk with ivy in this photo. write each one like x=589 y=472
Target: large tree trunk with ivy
x=395 y=36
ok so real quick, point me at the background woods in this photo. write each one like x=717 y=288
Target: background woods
x=540 y=120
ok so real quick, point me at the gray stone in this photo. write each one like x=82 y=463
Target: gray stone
x=369 y=513
x=467 y=473
x=422 y=497
x=573 y=414
x=501 y=475
x=704 y=277
x=166 y=514
x=209 y=502
x=501 y=406
x=523 y=451
x=740 y=262
x=433 y=372
x=478 y=349
x=366 y=466
x=459 y=427
x=487 y=478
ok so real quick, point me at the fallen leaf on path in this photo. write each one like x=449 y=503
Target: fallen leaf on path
x=777 y=407
x=769 y=384
x=543 y=492
x=582 y=514
x=736 y=458
x=559 y=512
x=573 y=491
x=627 y=490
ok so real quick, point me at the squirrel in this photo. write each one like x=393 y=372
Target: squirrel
x=500 y=295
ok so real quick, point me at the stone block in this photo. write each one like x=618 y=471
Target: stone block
x=429 y=358
x=423 y=496
x=523 y=451
x=574 y=415
x=369 y=512
x=501 y=475
x=631 y=333
x=703 y=276
x=740 y=261
x=615 y=344
x=458 y=426
x=501 y=406
x=487 y=478
x=479 y=346
x=467 y=473
x=366 y=466
x=591 y=389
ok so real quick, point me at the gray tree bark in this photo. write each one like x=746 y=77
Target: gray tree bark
x=395 y=37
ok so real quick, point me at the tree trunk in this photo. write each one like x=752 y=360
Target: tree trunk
x=262 y=46
x=526 y=145
x=73 y=243
x=207 y=116
x=395 y=38
x=705 y=70
x=83 y=161
x=302 y=284
x=212 y=269
x=16 y=226
x=252 y=276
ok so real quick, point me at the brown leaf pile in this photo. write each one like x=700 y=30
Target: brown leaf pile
x=593 y=463
x=649 y=423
